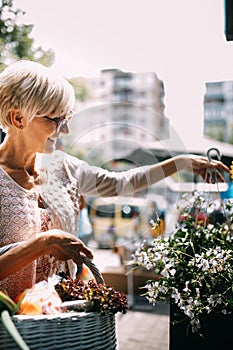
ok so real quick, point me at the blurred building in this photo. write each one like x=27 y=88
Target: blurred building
x=122 y=109
x=115 y=86
x=218 y=111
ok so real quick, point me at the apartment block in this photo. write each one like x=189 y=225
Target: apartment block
x=218 y=111
x=122 y=110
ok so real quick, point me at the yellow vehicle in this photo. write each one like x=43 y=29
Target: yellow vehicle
x=118 y=220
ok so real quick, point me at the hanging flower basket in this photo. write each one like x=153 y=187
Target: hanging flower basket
x=216 y=332
x=194 y=273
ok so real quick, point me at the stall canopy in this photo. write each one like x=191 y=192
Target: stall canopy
x=149 y=153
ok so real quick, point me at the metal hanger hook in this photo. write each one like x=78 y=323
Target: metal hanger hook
x=217 y=153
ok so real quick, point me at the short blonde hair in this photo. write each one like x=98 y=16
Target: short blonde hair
x=33 y=89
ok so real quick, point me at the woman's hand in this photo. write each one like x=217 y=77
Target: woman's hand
x=65 y=246
x=208 y=170
x=60 y=244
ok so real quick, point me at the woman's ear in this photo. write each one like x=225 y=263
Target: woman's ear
x=16 y=119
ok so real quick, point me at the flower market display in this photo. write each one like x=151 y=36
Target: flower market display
x=194 y=266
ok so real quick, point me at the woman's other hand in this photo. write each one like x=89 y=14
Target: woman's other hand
x=60 y=244
x=65 y=246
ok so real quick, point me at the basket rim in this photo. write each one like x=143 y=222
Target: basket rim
x=71 y=314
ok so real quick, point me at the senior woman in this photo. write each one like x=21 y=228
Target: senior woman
x=40 y=187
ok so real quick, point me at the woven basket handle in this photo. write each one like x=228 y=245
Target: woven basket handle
x=94 y=270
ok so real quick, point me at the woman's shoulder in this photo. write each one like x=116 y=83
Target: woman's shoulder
x=66 y=158
x=59 y=162
x=56 y=158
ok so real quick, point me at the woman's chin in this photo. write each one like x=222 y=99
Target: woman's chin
x=50 y=146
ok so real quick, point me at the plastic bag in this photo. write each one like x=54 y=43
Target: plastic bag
x=42 y=298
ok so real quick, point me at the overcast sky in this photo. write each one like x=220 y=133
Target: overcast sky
x=182 y=41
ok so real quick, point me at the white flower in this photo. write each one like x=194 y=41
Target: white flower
x=196 y=325
x=186 y=289
x=175 y=295
x=188 y=311
x=204 y=264
x=198 y=292
x=208 y=309
x=168 y=271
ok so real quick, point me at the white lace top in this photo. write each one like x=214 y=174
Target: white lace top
x=67 y=178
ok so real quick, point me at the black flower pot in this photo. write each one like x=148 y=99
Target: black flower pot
x=216 y=332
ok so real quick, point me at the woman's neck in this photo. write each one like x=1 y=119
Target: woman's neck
x=16 y=157
x=19 y=164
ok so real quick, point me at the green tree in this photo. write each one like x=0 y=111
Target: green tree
x=15 y=40
x=80 y=88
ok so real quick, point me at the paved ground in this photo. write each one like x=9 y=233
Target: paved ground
x=143 y=330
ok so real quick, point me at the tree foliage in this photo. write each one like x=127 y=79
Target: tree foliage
x=15 y=40
x=80 y=88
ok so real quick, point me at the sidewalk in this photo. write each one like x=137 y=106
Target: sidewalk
x=143 y=330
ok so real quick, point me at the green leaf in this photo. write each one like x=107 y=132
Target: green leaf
x=7 y=303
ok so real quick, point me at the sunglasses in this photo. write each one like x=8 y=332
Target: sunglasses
x=61 y=122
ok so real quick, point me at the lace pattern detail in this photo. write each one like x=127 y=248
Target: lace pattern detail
x=21 y=219
x=60 y=193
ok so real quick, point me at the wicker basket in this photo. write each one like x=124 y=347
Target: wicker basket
x=72 y=330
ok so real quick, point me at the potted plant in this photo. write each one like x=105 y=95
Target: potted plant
x=193 y=272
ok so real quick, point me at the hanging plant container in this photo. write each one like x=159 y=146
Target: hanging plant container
x=216 y=332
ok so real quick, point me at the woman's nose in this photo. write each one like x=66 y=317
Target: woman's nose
x=65 y=129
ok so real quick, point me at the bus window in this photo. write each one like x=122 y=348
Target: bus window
x=105 y=211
